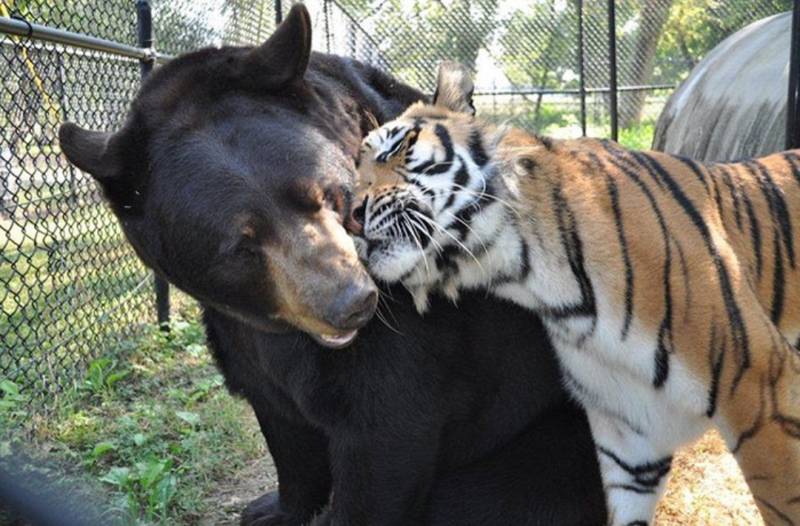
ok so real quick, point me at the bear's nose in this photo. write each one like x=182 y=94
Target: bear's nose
x=354 y=307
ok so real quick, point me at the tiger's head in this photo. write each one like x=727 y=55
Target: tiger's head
x=428 y=185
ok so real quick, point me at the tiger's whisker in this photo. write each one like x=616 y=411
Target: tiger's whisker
x=454 y=238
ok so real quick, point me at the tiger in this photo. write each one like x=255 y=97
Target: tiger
x=666 y=285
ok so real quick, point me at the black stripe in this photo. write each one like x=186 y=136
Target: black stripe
x=661 y=371
x=637 y=523
x=777 y=204
x=790 y=426
x=778 y=284
x=647 y=474
x=468 y=212
x=571 y=241
x=718 y=198
x=628 y=158
x=661 y=362
x=633 y=488
x=476 y=150
x=460 y=179
x=432 y=166
x=755 y=229
x=395 y=146
x=446 y=258
x=749 y=433
x=696 y=170
x=782 y=231
x=547 y=142
x=685 y=274
x=525 y=259
x=614 y=194
x=726 y=179
x=717 y=358
x=794 y=164
x=755 y=234
x=737 y=327
x=444 y=137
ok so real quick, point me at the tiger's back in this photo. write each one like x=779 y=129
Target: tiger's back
x=747 y=207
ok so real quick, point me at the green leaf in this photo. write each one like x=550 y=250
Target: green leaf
x=139 y=439
x=188 y=417
x=196 y=349
x=153 y=471
x=9 y=388
x=117 y=476
x=116 y=377
x=102 y=448
x=164 y=491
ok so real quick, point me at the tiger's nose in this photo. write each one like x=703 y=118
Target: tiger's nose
x=355 y=221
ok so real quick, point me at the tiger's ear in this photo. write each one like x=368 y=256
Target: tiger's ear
x=454 y=88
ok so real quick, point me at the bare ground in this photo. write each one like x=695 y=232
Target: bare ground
x=706 y=488
x=233 y=494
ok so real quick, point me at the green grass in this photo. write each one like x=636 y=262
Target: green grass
x=156 y=432
x=638 y=136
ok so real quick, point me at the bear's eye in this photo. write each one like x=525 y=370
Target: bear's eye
x=335 y=199
x=248 y=248
x=306 y=197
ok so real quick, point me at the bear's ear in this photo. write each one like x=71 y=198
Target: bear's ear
x=118 y=161
x=454 y=88
x=92 y=151
x=283 y=58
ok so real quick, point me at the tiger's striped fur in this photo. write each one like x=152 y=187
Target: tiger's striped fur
x=669 y=287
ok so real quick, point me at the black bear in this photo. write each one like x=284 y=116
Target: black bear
x=232 y=177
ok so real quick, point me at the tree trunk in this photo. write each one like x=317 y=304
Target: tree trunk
x=653 y=15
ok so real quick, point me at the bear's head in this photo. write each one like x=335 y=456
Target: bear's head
x=232 y=177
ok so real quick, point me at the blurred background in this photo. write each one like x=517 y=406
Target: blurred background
x=139 y=415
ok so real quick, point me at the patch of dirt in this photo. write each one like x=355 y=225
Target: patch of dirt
x=235 y=493
x=706 y=488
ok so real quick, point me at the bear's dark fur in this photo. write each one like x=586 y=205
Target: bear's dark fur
x=455 y=418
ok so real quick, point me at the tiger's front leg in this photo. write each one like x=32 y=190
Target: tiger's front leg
x=634 y=472
x=760 y=421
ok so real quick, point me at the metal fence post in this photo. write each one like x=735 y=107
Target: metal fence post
x=144 y=25
x=278 y=12
x=581 y=64
x=793 y=104
x=612 y=68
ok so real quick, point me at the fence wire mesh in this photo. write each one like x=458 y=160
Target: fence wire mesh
x=73 y=290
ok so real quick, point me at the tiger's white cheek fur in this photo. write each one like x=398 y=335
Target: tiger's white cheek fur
x=361 y=248
x=393 y=262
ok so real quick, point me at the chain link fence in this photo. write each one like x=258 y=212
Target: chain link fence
x=70 y=287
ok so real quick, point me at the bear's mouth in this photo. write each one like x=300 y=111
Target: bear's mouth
x=335 y=341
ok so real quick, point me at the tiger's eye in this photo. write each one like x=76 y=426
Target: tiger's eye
x=525 y=165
